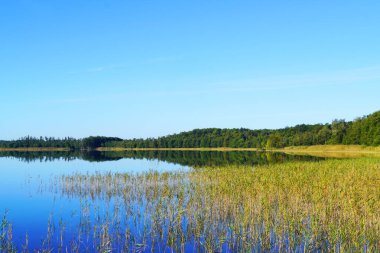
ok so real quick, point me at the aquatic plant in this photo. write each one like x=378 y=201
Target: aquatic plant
x=329 y=205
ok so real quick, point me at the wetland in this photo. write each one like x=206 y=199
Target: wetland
x=188 y=201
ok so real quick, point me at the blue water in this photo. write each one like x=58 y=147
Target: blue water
x=26 y=196
x=34 y=206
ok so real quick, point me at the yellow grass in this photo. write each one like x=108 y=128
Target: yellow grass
x=333 y=151
x=309 y=203
x=335 y=148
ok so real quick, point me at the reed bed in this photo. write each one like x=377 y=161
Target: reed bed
x=330 y=205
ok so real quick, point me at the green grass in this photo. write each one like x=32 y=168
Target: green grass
x=334 y=151
x=331 y=205
x=336 y=200
x=335 y=148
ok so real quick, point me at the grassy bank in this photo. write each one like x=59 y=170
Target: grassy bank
x=318 y=150
x=334 y=148
x=333 y=151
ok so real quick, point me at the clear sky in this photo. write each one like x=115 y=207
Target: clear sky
x=150 y=68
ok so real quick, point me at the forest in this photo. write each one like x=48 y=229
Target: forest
x=67 y=143
x=361 y=131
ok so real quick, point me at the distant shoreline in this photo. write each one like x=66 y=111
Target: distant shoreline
x=332 y=149
x=178 y=149
x=34 y=149
x=292 y=149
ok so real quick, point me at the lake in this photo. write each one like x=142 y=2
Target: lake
x=127 y=201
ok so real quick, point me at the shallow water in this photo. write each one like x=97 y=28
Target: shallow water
x=35 y=206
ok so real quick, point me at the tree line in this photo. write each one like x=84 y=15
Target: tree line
x=361 y=131
x=66 y=143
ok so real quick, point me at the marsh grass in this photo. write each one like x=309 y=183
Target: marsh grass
x=6 y=235
x=330 y=205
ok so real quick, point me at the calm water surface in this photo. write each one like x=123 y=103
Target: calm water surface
x=32 y=203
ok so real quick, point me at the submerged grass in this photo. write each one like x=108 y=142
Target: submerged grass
x=330 y=205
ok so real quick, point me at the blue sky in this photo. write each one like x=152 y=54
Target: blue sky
x=151 y=68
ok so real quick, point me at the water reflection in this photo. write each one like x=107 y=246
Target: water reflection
x=279 y=208
x=184 y=158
